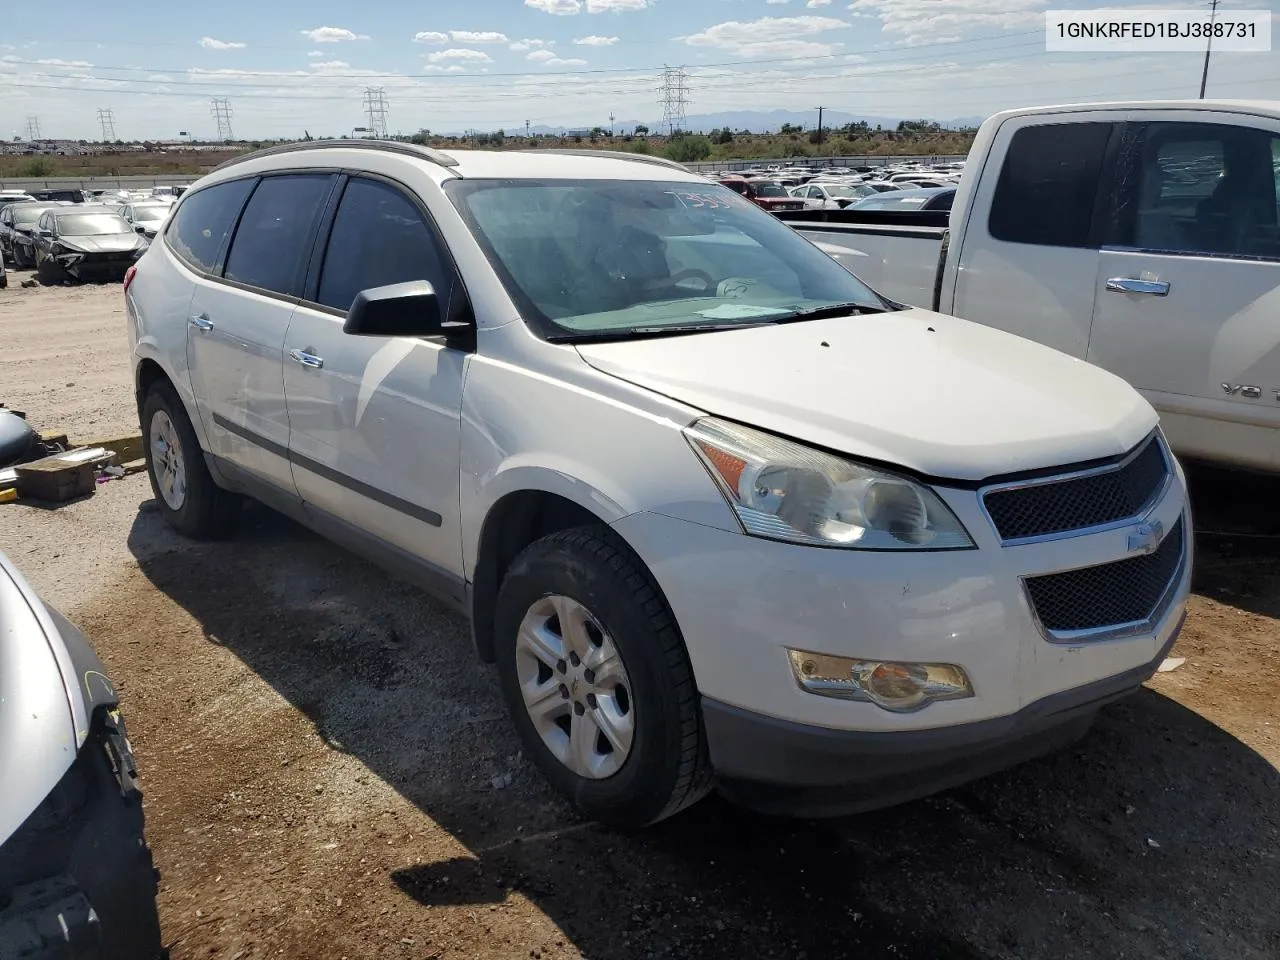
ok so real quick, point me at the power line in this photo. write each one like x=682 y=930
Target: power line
x=221 y=110
x=674 y=97
x=33 y=127
x=107 y=120
x=375 y=105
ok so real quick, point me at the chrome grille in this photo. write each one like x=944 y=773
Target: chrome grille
x=1110 y=594
x=1090 y=499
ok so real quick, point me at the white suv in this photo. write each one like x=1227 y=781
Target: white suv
x=719 y=513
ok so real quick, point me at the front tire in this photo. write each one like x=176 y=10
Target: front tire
x=189 y=499
x=597 y=679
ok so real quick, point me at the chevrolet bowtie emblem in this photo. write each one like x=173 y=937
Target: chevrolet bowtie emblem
x=1145 y=538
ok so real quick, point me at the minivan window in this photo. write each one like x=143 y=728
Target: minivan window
x=635 y=257
x=1200 y=188
x=275 y=232
x=201 y=224
x=379 y=237
x=1049 y=183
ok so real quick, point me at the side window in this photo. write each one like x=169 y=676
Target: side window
x=1202 y=189
x=379 y=237
x=276 y=230
x=201 y=224
x=1048 y=185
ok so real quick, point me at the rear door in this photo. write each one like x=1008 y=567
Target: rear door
x=375 y=422
x=1028 y=266
x=1187 y=299
x=240 y=311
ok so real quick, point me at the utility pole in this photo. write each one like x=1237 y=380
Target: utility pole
x=1208 y=47
x=375 y=104
x=526 y=129
x=820 y=109
x=221 y=110
x=611 y=123
x=107 y=120
x=33 y=127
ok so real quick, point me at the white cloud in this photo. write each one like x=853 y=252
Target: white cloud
x=315 y=53
x=520 y=46
x=615 y=6
x=430 y=36
x=211 y=44
x=55 y=62
x=332 y=35
x=567 y=62
x=776 y=1
x=331 y=65
x=460 y=53
x=452 y=68
x=541 y=56
x=560 y=8
x=483 y=36
x=919 y=21
x=771 y=36
x=814 y=4
x=594 y=41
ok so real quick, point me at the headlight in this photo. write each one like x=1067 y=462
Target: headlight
x=898 y=687
x=786 y=491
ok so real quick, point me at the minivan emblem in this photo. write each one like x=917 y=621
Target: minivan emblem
x=1145 y=538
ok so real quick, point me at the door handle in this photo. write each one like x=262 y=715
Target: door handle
x=307 y=359
x=202 y=323
x=1154 y=288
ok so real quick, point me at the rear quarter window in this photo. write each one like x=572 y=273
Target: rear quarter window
x=202 y=223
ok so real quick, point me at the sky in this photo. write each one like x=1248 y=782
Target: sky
x=289 y=67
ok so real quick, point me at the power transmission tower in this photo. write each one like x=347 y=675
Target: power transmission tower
x=1204 y=75
x=107 y=120
x=611 y=124
x=820 y=109
x=33 y=127
x=526 y=129
x=375 y=105
x=222 y=115
x=674 y=97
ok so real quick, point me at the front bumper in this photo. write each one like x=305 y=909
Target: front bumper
x=793 y=769
x=76 y=879
x=112 y=266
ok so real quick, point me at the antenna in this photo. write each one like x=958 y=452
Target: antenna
x=33 y=127
x=375 y=105
x=107 y=120
x=222 y=115
x=674 y=97
x=1208 y=47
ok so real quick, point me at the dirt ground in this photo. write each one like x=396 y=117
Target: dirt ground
x=329 y=773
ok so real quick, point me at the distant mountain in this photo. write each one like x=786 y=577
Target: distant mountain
x=757 y=121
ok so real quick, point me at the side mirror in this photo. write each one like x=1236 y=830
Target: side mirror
x=397 y=310
x=139 y=228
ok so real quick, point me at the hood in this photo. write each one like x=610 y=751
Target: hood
x=795 y=202
x=38 y=735
x=931 y=393
x=106 y=243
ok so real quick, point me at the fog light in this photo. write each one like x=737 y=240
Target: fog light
x=900 y=687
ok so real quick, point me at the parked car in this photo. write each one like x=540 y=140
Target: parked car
x=76 y=874
x=923 y=198
x=86 y=242
x=14 y=196
x=1140 y=236
x=764 y=193
x=17 y=231
x=656 y=446
x=147 y=217
x=4 y=275
x=50 y=194
x=826 y=195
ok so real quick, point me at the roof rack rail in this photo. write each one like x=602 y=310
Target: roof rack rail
x=616 y=155
x=353 y=143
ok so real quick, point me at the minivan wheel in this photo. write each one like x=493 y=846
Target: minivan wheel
x=189 y=499
x=597 y=680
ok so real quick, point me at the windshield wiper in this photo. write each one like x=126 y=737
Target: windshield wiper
x=849 y=309
x=657 y=330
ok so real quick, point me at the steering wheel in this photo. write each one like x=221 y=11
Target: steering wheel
x=682 y=279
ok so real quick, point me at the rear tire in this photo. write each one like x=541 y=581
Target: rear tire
x=666 y=766
x=192 y=503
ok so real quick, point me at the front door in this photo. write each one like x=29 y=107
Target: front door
x=237 y=321
x=1186 y=304
x=374 y=422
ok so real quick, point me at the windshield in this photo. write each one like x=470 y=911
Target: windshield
x=768 y=188
x=92 y=224
x=150 y=213
x=839 y=190
x=24 y=215
x=608 y=257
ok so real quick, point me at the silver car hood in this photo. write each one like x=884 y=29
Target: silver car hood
x=43 y=716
